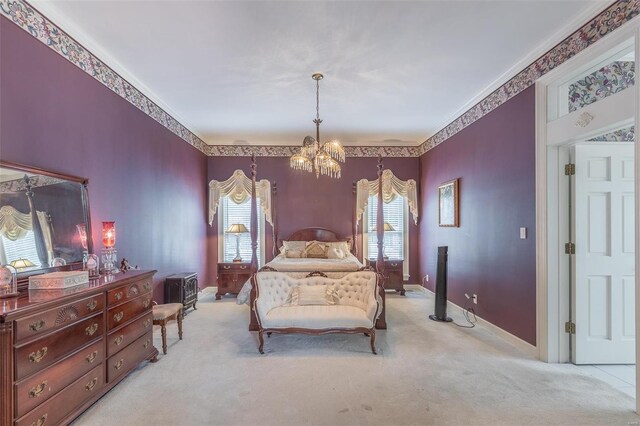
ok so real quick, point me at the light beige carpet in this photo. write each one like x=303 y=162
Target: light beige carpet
x=426 y=373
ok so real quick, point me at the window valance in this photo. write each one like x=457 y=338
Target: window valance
x=238 y=189
x=391 y=188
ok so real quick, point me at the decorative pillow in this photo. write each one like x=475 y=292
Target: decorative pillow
x=294 y=246
x=304 y=295
x=342 y=245
x=293 y=254
x=316 y=250
x=335 y=253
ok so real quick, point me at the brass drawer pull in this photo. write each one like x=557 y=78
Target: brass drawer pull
x=118 y=295
x=92 y=384
x=226 y=267
x=92 y=305
x=91 y=330
x=146 y=344
x=394 y=264
x=146 y=303
x=243 y=267
x=118 y=340
x=118 y=317
x=35 y=392
x=38 y=355
x=92 y=357
x=147 y=323
x=147 y=286
x=37 y=325
x=118 y=365
x=133 y=290
x=41 y=421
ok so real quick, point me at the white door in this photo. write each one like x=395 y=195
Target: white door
x=603 y=281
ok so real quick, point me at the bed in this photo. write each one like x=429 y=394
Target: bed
x=303 y=267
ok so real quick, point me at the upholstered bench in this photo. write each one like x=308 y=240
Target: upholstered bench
x=316 y=304
x=162 y=314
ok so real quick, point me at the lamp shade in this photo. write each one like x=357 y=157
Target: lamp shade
x=387 y=227
x=22 y=263
x=237 y=228
x=108 y=234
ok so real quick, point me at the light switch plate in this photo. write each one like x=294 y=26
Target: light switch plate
x=523 y=233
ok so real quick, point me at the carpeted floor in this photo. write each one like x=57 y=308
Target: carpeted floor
x=425 y=373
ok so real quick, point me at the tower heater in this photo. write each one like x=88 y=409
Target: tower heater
x=441 y=287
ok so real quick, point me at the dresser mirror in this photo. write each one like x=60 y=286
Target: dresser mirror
x=44 y=221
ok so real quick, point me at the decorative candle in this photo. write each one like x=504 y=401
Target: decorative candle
x=108 y=234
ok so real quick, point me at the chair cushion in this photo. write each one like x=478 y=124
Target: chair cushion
x=161 y=312
x=316 y=317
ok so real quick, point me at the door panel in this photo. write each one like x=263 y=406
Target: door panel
x=603 y=281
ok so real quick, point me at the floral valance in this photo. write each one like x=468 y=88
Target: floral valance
x=238 y=189
x=391 y=188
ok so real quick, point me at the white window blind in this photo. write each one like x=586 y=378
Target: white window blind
x=394 y=214
x=22 y=248
x=231 y=213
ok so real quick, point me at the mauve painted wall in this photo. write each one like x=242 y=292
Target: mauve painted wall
x=141 y=175
x=494 y=157
x=304 y=201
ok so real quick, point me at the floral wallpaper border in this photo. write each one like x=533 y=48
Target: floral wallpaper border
x=32 y=21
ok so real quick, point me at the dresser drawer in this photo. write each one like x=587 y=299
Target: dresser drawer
x=129 y=357
x=58 y=407
x=122 y=314
x=129 y=291
x=119 y=339
x=39 y=388
x=43 y=352
x=52 y=319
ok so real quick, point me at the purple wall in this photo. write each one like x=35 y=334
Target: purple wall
x=304 y=201
x=495 y=159
x=141 y=175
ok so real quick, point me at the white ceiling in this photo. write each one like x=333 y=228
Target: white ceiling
x=240 y=72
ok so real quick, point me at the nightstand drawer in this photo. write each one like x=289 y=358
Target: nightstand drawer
x=233 y=267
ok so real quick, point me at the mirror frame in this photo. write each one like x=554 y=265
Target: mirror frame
x=23 y=277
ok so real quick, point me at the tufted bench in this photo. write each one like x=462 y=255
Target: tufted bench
x=357 y=305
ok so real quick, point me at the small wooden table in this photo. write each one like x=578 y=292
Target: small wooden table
x=393 y=274
x=231 y=277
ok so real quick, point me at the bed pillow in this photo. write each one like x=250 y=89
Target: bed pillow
x=293 y=248
x=293 y=254
x=304 y=295
x=335 y=253
x=316 y=250
x=342 y=245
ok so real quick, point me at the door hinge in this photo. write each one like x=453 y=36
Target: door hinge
x=569 y=169
x=570 y=248
x=570 y=327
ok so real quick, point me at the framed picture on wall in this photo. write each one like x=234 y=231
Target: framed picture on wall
x=448 y=199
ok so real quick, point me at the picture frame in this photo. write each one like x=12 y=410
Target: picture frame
x=448 y=203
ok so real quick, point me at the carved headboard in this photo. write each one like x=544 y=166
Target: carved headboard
x=317 y=234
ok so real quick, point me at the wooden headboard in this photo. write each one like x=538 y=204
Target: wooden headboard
x=317 y=234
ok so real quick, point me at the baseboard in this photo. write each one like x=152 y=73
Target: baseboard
x=524 y=347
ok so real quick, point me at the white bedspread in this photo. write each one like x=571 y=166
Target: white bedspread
x=300 y=267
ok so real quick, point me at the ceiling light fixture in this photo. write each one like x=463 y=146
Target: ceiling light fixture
x=324 y=159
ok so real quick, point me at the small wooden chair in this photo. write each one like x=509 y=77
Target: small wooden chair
x=162 y=314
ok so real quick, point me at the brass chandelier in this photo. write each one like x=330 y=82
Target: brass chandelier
x=325 y=158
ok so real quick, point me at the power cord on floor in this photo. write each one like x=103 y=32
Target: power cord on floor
x=469 y=315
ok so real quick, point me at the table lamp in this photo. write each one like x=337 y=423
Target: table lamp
x=237 y=229
x=387 y=227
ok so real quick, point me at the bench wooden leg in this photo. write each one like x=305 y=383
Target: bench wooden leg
x=373 y=341
x=180 y=316
x=261 y=341
x=163 y=329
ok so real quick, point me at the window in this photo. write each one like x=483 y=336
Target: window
x=395 y=242
x=230 y=213
x=22 y=248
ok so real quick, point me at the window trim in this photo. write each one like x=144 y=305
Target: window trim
x=405 y=236
x=261 y=234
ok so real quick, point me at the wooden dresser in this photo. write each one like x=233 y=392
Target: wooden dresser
x=61 y=350
x=231 y=277
x=393 y=274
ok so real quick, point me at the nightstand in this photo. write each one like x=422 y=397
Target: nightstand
x=231 y=277
x=393 y=275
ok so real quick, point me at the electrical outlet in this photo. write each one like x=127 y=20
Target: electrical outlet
x=426 y=278
x=475 y=299
x=467 y=295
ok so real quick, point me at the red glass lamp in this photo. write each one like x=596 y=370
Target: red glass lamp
x=108 y=234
